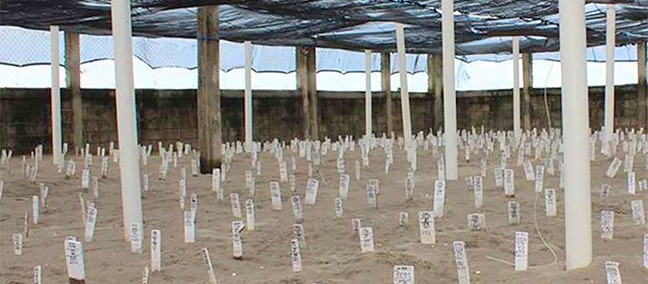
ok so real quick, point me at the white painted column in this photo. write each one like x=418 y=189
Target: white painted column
x=404 y=92
x=126 y=121
x=575 y=104
x=610 y=39
x=449 y=93
x=368 y=111
x=517 y=128
x=247 y=100
x=57 y=140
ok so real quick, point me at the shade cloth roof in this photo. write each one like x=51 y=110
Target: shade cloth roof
x=483 y=29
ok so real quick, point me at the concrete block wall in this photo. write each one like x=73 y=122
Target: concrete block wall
x=170 y=115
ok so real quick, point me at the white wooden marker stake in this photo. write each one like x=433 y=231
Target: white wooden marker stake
x=461 y=261
x=210 y=267
x=85 y=179
x=90 y=222
x=638 y=215
x=528 y=171
x=645 y=251
x=607 y=225
x=236 y=206
x=550 y=202
x=339 y=210
x=136 y=237
x=74 y=260
x=366 y=239
x=275 y=194
x=612 y=272
x=295 y=255
x=249 y=214
x=38 y=271
x=237 y=245
x=297 y=209
x=403 y=274
x=403 y=219
x=605 y=190
x=426 y=227
x=409 y=188
x=478 y=186
x=291 y=182
x=509 y=183
x=521 y=251
x=156 y=250
x=476 y=221
x=499 y=177
x=513 y=212
x=344 y=186
x=145 y=275
x=35 y=209
x=539 y=179
x=372 y=196
x=439 y=198
x=311 y=191
x=17 y=243
x=614 y=167
x=299 y=234
x=631 y=183
x=643 y=185
x=357 y=170
x=189 y=227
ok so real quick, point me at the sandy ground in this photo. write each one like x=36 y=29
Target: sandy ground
x=333 y=254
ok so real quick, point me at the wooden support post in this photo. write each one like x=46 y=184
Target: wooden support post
x=209 y=95
x=385 y=74
x=311 y=69
x=641 y=86
x=435 y=88
x=527 y=82
x=302 y=88
x=73 y=83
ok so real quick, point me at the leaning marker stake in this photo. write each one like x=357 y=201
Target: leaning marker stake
x=461 y=261
x=75 y=261
x=210 y=267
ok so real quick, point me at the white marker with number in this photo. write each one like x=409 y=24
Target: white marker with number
x=35 y=209
x=249 y=214
x=403 y=274
x=631 y=183
x=638 y=214
x=236 y=205
x=156 y=250
x=17 y=243
x=275 y=194
x=210 y=267
x=344 y=186
x=645 y=251
x=426 y=227
x=513 y=212
x=189 y=227
x=295 y=255
x=461 y=261
x=509 y=183
x=539 y=179
x=607 y=225
x=476 y=221
x=297 y=209
x=439 y=198
x=612 y=272
x=38 y=270
x=311 y=191
x=366 y=239
x=550 y=202
x=614 y=167
x=339 y=210
x=528 y=171
x=372 y=196
x=136 y=236
x=74 y=260
x=478 y=191
x=90 y=222
x=521 y=251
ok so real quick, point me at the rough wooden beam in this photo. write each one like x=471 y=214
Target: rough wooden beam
x=641 y=86
x=385 y=74
x=209 y=96
x=311 y=68
x=73 y=83
x=302 y=87
x=435 y=88
x=527 y=82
